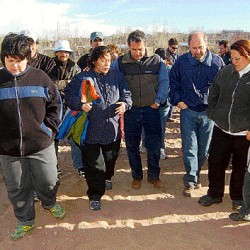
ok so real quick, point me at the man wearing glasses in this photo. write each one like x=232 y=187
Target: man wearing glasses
x=96 y=39
x=171 y=52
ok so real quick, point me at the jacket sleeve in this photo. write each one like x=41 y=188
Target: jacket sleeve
x=53 y=108
x=163 y=84
x=213 y=96
x=72 y=96
x=125 y=94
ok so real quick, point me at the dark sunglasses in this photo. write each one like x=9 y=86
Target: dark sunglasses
x=174 y=47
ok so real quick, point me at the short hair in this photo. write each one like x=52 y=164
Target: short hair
x=97 y=53
x=195 y=33
x=243 y=47
x=225 y=43
x=173 y=41
x=136 y=36
x=161 y=52
x=16 y=46
x=114 y=48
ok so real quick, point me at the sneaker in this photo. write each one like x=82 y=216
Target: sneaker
x=239 y=217
x=81 y=172
x=57 y=211
x=143 y=149
x=95 y=205
x=36 y=198
x=198 y=185
x=236 y=205
x=20 y=231
x=136 y=184
x=188 y=191
x=207 y=200
x=163 y=156
x=108 y=184
x=157 y=183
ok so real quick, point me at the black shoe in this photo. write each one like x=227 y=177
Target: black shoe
x=236 y=205
x=81 y=172
x=108 y=184
x=239 y=217
x=208 y=200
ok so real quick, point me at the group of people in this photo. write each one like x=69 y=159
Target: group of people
x=104 y=93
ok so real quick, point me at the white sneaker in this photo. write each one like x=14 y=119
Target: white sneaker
x=143 y=149
x=163 y=156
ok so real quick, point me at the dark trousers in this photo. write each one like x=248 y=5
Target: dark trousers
x=222 y=146
x=100 y=164
x=150 y=120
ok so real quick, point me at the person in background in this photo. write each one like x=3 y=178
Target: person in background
x=102 y=143
x=114 y=50
x=62 y=74
x=147 y=78
x=244 y=212
x=224 y=51
x=171 y=56
x=29 y=119
x=229 y=108
x=190 y=79
x=96 y=39
x=38 y=60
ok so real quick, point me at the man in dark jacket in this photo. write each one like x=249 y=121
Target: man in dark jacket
x=96 y=39
x=29 y=119
x=147 y=78
x=190 y=78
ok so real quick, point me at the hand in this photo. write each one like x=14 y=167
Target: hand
x=87 y=106
x=248 y=135
x=154 y=106
x=182 y=105
x=121 y=109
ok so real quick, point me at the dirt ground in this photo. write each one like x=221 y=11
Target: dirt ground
x=130 y=219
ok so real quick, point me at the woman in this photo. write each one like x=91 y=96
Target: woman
x=229 y=108
x=102 y=142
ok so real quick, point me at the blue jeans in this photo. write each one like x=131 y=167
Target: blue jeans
x=149 y=119
x=76 y=154
x=196 y=132
x=164 y=113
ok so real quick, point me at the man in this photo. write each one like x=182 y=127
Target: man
x=171 y=53
x=37 y=60
x=29 y=119
x=224 y=51
x=62 y=74
x=190 y=78
x=96 y=39
x=147 y=78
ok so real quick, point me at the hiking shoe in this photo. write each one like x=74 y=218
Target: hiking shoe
x=207 y=200
x=81 y=172
x=95 y=205
x=163 y=155
x=20 y=231
x=239 y=217
x=143 y=149
x=236 y=205
x=108 y=184
x=136 y=184
x=157 y=183
x=57 y=211
x=188 y=191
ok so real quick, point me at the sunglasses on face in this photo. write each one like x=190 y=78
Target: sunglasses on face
x=174 y=48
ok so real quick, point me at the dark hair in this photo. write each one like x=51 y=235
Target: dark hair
x=161 y=52
x=136 y=36
x=16 y=46
x=97 y=53
x=172 y=41
x=243 y=47
x=225 y=43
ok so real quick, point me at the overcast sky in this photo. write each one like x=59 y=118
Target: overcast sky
x=75 y=17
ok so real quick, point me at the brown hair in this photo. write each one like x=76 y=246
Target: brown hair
x=243 y=47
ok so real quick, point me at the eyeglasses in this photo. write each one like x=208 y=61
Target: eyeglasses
x=174 y=48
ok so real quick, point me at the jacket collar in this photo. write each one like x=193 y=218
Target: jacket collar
x=22 y=73
x=127 y=58
x=207 y=61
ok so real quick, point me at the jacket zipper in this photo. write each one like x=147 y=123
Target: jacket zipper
x=230 y=110
x=19 y=116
